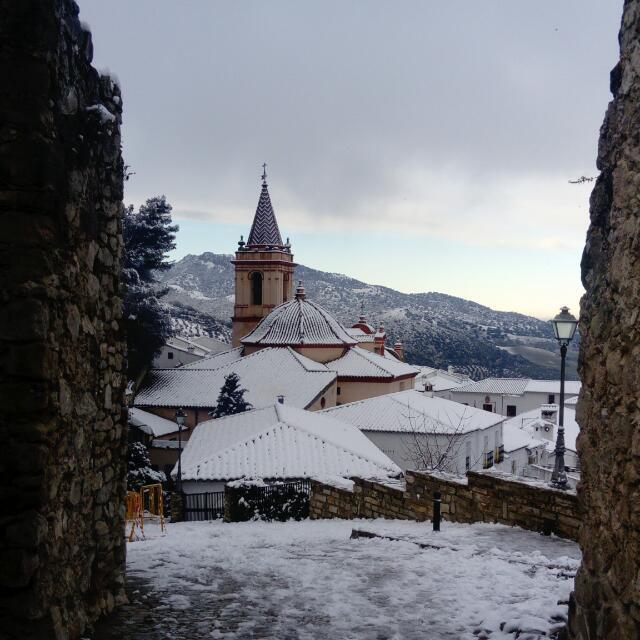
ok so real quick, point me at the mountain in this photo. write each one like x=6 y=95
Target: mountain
x=437 y=330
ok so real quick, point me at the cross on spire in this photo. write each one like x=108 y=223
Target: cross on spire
x=264 y=172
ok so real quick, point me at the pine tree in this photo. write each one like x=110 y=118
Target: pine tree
x=148 y=237
x=139 y=471
x=231 y=398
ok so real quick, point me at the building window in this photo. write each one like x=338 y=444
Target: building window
x=552 y=398
x=170 y=355
x=488 y=460
x=487 y=407
x=511 y=410
x=285 y=287
x=256 y=287
x=338 y=391
x=323 y=402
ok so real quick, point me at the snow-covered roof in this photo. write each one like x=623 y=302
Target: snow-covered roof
x=360 y=363
x=150 y=423
x=212 y=344
x=299 y=322
x=514 y=437
x=572 y=401
x=517 y=386
x=280 y=442
x=264 y=230
x=217 y=360
x=528 y=421
x=266 y=374
x=439 y=379
x=359 y=335
x=186 y=345
x=410 y=411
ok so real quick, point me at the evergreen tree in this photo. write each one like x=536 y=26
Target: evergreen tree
x=148 y=237
x=231 y=398
x=139 y=471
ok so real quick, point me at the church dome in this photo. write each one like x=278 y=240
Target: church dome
x=299 y=322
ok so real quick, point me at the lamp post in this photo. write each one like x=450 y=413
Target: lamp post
x=180 y=419
x=564 y=327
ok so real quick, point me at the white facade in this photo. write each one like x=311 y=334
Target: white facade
x=403 y=448
x=510 y=397
x=410 y=426
x=178 y=352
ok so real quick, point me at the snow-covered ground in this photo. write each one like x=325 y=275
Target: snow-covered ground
x=308 y=580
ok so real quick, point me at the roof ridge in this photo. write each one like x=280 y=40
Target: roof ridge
x=363 y=353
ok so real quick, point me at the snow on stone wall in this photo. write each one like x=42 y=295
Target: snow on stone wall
x=483 y=497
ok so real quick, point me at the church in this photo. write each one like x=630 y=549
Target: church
x=285 y=346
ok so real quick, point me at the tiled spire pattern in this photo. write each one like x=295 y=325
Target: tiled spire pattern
x=264 y=230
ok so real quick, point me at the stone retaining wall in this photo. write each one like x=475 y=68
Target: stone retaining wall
x=483 y=497
x=62 y=350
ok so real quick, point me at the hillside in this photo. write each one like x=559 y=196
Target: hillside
x=437 y=329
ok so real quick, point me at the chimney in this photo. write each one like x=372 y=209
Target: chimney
x=398 y=347
x=450 y=370
x=380 y=339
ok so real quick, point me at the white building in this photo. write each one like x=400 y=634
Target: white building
x=431 y=379
x=510 y=396
x=411 y=426
x=266 y=375
x=179 y=351
x=278 y=442
x=530 y=440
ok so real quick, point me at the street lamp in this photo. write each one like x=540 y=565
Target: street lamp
x=180 y=419
x=564 y=327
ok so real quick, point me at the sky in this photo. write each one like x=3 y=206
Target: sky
x=420 y=145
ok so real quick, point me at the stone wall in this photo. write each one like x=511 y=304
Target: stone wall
x=607 y=596
x=62 y=355
x=482 y=497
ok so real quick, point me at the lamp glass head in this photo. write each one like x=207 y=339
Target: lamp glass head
x=564 y=325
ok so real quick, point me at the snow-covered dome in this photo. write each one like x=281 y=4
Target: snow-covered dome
x=299 y=322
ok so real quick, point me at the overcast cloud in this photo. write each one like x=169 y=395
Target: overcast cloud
x=454 y=121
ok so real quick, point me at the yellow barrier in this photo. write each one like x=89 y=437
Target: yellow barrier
x=149 y=500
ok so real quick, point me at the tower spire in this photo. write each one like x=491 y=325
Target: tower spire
x=264 y=230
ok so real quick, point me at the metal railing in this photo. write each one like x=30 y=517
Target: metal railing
x=203 y=506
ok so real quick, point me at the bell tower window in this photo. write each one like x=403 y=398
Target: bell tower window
x=256 y=287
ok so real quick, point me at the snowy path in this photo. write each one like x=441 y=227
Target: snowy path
x=308 y=581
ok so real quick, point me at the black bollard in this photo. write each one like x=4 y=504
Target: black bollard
x=436 y=510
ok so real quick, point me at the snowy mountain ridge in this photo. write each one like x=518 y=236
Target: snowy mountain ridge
x=437 y=329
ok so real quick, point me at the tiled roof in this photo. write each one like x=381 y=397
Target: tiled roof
x=264 y=230
x=517 y=386
x=360 y=363
x=280 y=442
x=150 y=423
x=359 y=335
x=553 y=386
x=266 y=374
x=507 y=386
x=299 y=322
x=411 y=411
x=217 y=360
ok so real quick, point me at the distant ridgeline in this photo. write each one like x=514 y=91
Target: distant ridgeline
x=437 y=330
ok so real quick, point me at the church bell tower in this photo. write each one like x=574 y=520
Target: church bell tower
x=263 y=269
